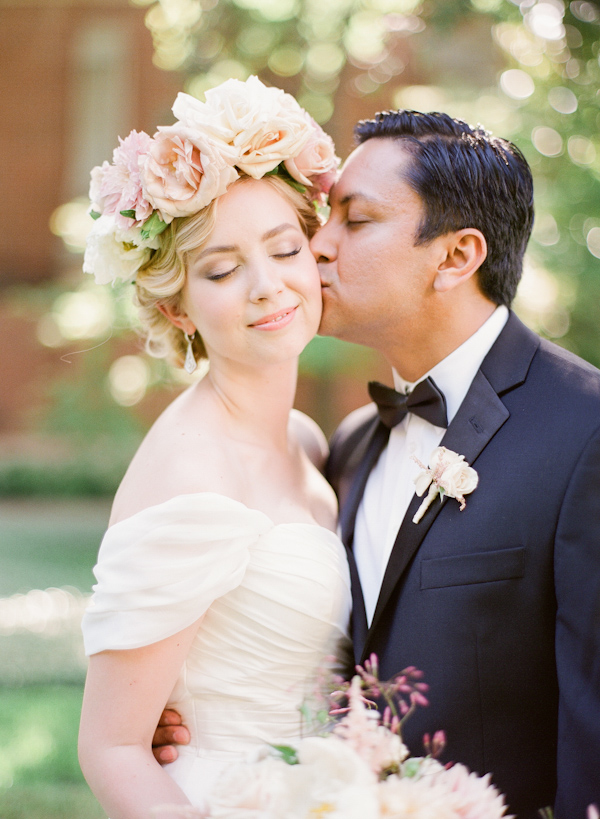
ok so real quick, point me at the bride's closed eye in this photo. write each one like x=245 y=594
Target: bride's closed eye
x=288 y=254
x=215 y=277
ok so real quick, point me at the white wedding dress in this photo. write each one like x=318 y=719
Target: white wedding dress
x=277 y=602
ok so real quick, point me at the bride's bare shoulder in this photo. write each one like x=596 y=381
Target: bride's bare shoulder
x=183 y=453
x=310 y=436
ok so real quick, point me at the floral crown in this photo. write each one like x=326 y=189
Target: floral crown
x=242 y=126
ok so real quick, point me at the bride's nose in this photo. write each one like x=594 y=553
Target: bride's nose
x=265 y=282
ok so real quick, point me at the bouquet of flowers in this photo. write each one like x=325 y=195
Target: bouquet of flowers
x=359 y=769
x=242 y=127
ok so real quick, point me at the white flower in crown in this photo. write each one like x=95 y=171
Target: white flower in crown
x=447 y=474
x=113 y=254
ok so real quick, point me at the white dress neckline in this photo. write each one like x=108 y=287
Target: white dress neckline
x=207 y=495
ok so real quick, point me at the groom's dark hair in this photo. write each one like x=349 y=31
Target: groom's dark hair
x=465 y=177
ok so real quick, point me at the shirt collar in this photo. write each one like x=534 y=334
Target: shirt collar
x=455 y=373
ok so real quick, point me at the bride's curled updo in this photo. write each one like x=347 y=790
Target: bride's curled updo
x=161 y=279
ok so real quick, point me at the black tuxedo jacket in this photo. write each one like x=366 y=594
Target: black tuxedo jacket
x=499 y=605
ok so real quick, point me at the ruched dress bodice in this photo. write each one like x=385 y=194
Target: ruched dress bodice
x=275 y=600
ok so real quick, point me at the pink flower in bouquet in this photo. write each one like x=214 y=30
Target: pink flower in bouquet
x=118 y=187
x=183 y=172
x=380 y=748
x=417 y=798
x=471 y=796
x=316 y=164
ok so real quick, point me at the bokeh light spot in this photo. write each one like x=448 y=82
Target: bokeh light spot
x=545 y=231
x=319 y=106
x=562 y=100
x=420 y=98
x=86 y=313
x=72 y=223
x=517 y=84
x=546 y=20
x=286 y=61
x=324 y=59
x=547 y=141
x=593 y=242
x=128 y=379
x=581 y=150
x=274 y=10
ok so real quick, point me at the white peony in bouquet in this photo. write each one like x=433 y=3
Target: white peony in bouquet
x=359 y=769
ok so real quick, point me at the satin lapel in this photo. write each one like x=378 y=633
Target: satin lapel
x=363 y=460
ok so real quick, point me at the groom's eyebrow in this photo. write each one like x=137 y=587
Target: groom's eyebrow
x=351 y=197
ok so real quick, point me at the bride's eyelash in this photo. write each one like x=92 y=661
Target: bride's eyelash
x=215 y=277
x=286 y=255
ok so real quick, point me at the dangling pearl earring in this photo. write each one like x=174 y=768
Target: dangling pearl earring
x=190 y=359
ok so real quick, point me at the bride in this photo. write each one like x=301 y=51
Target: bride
x=221 y=585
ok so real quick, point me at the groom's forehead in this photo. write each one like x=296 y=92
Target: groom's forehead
x=373 y=174
x=371 y=168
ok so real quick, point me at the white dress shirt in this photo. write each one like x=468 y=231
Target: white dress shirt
x=390 y=486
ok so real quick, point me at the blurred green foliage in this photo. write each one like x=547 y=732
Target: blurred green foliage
x=328 y=52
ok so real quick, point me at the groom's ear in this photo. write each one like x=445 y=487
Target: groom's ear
x=464 y=253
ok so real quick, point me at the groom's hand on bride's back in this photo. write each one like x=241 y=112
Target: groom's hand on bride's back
x=169 y=732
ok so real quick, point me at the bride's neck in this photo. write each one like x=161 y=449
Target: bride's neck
x=255 y=402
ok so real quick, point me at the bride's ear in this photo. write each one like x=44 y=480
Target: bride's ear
x=465 y=252
x=180 y=320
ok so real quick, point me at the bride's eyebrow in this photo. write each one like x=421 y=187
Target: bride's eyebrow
x=209 y=251
x=279 y=229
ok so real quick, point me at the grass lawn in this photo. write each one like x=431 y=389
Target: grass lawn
x=43 y=545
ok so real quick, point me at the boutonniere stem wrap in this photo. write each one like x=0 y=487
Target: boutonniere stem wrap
x=447 y=474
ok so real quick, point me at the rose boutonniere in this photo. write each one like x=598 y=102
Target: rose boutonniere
x=448 y=474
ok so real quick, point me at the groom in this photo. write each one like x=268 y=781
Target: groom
x=498 y=604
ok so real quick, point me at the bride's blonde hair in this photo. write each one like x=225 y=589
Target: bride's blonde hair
x=161 y=280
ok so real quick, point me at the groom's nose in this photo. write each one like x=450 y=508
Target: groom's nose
x=323 y=245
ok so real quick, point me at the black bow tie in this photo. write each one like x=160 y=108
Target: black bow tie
x=426 y=400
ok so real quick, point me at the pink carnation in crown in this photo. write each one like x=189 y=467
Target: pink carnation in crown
x=118 y=187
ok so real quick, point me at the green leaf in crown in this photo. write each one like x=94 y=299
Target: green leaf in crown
x=153 y=226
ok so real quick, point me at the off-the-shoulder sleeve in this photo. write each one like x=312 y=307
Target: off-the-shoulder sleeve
x=160 y=570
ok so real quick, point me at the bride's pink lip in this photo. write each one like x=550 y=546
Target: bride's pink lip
x=276 y=320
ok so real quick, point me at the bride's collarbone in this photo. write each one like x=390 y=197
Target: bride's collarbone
x=281 y=483
x=288 y=489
